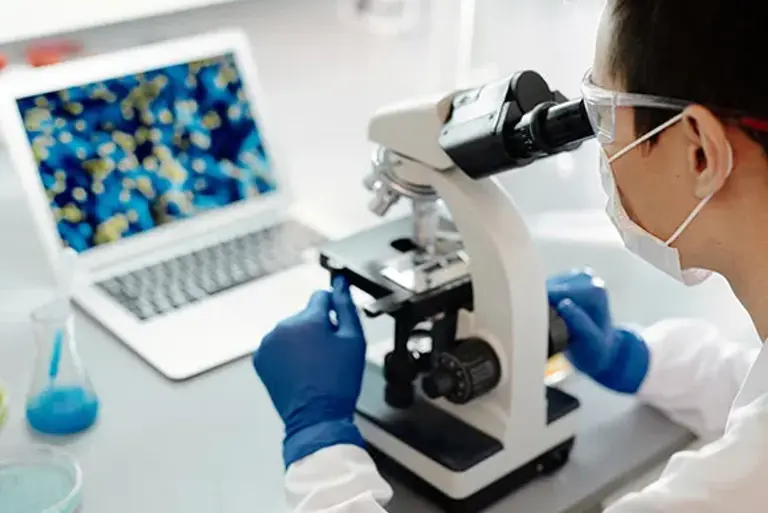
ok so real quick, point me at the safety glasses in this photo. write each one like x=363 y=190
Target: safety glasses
x=601 y=105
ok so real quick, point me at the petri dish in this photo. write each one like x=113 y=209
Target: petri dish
x=39 y=480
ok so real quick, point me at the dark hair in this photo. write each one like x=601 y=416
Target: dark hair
x=710 y=52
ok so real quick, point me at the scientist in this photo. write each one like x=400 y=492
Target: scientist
x=685 y=169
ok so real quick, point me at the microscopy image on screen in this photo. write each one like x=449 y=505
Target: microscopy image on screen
x=125 y=155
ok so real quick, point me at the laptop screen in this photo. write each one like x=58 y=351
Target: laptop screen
x=128 y=154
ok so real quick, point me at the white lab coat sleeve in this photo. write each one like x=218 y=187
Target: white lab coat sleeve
x=694 y=374
x=725 y=476
x=337 y=479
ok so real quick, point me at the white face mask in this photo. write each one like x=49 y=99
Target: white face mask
x=643 y=244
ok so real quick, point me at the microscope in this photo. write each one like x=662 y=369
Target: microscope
x=460 y=409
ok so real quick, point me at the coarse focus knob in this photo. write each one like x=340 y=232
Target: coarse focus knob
x=464 y=373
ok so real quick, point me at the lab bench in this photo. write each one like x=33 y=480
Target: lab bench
x=213 y=444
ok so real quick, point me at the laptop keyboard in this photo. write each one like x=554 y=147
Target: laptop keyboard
x=173 y=284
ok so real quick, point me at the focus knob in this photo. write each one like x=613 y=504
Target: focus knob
x=559 y=336
x=464 y=373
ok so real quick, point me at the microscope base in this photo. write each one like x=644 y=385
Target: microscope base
x=443 y=447
x=544 y=465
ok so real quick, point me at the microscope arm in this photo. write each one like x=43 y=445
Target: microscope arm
x=449 y=147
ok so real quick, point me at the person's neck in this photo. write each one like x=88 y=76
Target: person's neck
x=739 y=242
x=748 y=277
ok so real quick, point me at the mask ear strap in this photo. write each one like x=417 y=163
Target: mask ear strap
x=702 y=203
x=647 y=136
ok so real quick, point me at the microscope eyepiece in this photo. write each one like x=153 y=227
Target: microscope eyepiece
x=510 y=124
x=563 y=125
x=548 y=129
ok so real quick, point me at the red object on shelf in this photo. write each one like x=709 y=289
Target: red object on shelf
x=3 y=61
x=45 y=54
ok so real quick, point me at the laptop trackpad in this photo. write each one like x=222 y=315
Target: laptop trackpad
x=231 y=324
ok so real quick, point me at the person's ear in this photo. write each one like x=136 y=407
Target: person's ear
x=710 y=157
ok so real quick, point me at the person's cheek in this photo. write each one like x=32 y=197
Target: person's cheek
x=633 y=190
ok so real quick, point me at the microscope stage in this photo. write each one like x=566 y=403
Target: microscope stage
x=384 y=263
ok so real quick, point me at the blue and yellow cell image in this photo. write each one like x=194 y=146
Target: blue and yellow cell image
x=120 y=157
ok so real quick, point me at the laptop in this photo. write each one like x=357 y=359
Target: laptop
x=156 y=166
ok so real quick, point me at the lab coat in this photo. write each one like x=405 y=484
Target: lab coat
x=716 y=388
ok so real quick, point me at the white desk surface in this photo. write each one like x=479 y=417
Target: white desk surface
x=213 y=444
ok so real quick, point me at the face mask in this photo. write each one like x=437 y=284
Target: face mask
x=643 y=244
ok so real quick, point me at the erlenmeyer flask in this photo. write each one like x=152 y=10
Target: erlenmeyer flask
x=61 y=400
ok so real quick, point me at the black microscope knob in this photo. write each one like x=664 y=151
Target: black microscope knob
x=468 y=371
x=400 y=397
x=439 y=383
x=400 y=371
x=559 y=336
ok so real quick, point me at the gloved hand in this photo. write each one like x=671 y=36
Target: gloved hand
x=616 y=358
x=312 y=367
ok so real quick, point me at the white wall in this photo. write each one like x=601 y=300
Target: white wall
x=106 y=29
x=38 y=18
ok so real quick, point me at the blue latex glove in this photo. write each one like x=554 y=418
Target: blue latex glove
x=614 y=357
x=312 y=368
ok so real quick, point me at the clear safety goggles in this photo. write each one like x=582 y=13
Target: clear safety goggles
x=601 y=105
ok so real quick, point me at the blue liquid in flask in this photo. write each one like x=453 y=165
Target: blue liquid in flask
x=62 y=410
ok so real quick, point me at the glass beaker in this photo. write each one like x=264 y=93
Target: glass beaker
x=383 y=16
x=61 y=400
